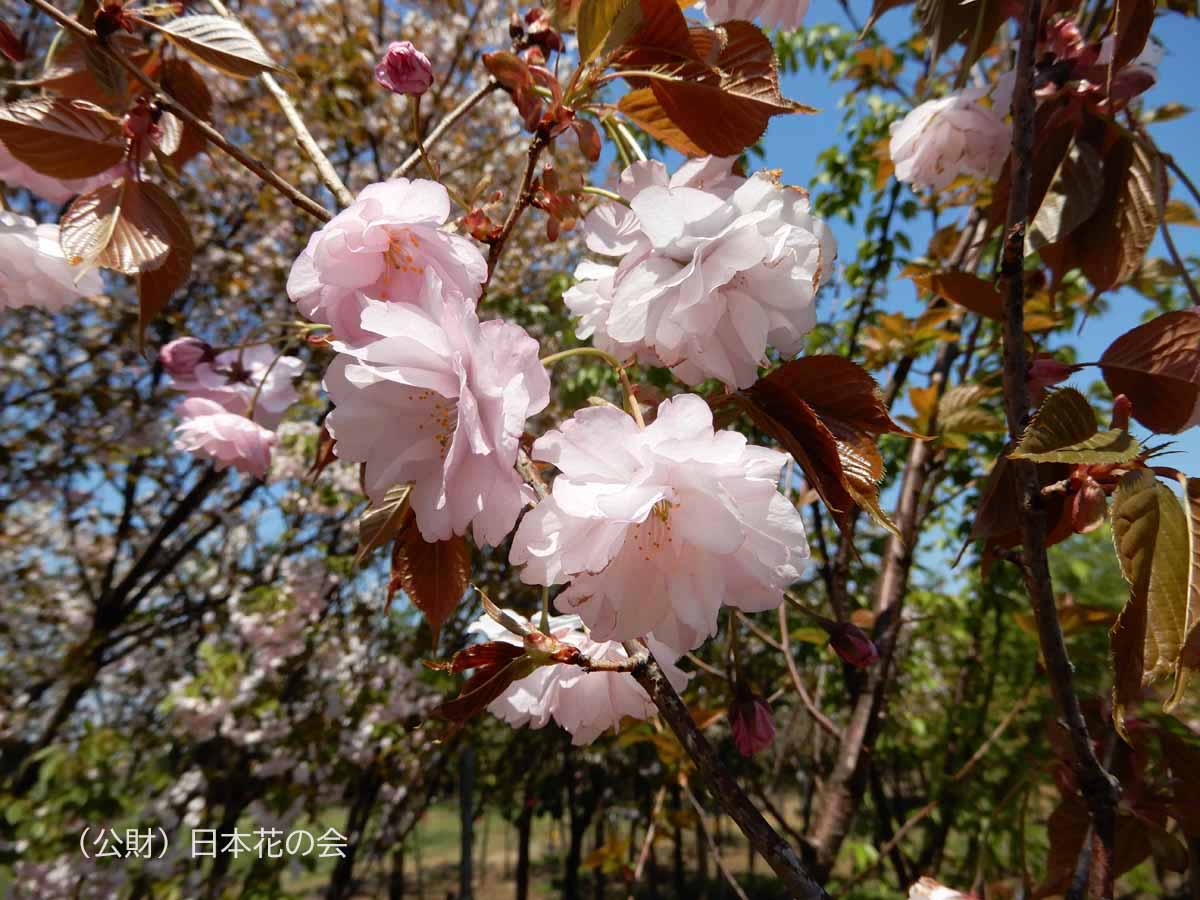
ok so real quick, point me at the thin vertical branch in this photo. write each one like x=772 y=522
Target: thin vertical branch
x=307 y=142
x=1100 y=790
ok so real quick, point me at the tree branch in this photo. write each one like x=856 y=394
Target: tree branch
x=448 y=122
x=1100 y=789
x=762 y=837
x=307 y=142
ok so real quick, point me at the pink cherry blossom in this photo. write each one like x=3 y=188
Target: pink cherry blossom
x=33 y=269
x=956 y=135
x=586 y=704
x=381 y=247
x=655 y=529
x=715 y=268
x=180 y=357
x=232 y=379
x=441 y=404
x=17 y=174
x=787 y=14
x=209 y=430
x=404 y=69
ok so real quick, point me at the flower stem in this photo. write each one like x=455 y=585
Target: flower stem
x=626 y=385
x=603 y=192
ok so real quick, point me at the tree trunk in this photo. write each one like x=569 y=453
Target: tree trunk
x=524 y=832
x=396 y=876
x=466 y=818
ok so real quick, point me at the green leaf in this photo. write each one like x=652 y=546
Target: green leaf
x=1064 y=430
x=1150 y=535
x=606 y=24
x=379 y=524
x=961 y=410
x=1189 y=653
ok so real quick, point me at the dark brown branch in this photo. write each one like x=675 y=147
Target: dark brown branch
x=762 y=837
x=1100 y=790
x=539 y=143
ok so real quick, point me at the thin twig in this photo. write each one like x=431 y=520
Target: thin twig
x=649 y=839
x=819 y=717
x=307 y=142
x=448 y=122
x=712 y=845
x=169 y=103
x=524 y=197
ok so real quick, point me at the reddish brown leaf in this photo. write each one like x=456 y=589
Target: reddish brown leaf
x=1131 y=30
x=1127 y=641
x=721 y=108
x=11 y=44
x=482 y=688
x=827 y=412
x=181 y=80
x=1157 y=366
x=1110 y=245
x=62 y=138
x=434 y=575
x=325 y=456
x=966 y=290
x=1184 y=761
x=489 y=654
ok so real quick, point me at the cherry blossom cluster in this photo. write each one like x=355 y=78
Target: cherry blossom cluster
x=651 y=529
x=709 y=269
x=234 y=400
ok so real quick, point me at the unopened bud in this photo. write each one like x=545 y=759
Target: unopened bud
x=404 y=69
x=181 y=356
x=853 y=645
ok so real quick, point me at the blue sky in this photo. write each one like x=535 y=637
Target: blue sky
x=793 y=143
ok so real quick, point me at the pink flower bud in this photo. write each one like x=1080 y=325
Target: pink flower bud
x=404 y=69
x=752 y=724
x=852 y=644
x=181 y=356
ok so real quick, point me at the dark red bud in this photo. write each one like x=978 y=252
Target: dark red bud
x=752 y=724
x=853 y=645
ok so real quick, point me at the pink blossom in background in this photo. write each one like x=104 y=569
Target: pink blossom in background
x=404 y=69
x=752 y=724
x=232 y=379
x=714 y=268
x=956 y=135
x=927 y=888
x=655 y=529
x=586 y=704
x=384 y=247
x=15 y=173
x=441 y=403
x=787 y=14
x=209 y=430
x=33 y=269
x=181 y=356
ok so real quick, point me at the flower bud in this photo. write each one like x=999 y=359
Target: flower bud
x=852 y=644
x=1045 y=371
x=752 y=724
x=181 y=356
x=404 y=69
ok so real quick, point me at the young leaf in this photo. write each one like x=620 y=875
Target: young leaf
x=86 y=228
x=1189 y=653
x=180 y=79
x=224 y=43
x=966 y=290
x=960 y=410
x=1064 y=430
x=1157 y=366
x=379 y=524
x=720 y=109
x=62 y=138
x=434 y=575
x=1111 y=244
x=1073 y=197
x=606 y=23
x=1150 y=534
x=827 y=412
